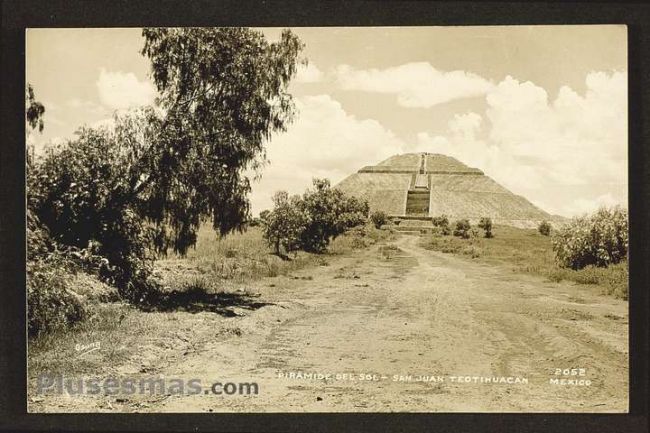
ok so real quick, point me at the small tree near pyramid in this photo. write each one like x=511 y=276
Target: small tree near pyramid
x=331 y=213
x=283 y=226
x=544 y=228
x=462 y=229
x=442 y=222
x=310 y=222
x=379 y=218
x=486 y=225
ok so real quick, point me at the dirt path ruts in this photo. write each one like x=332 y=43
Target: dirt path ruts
x=417 y=313
x=420 y=313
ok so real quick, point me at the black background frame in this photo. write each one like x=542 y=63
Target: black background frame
x=17 y=15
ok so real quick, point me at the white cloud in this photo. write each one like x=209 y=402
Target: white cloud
x=87 y=106
x=325 y=141
x=537 y=147
x=584 y=206
x=568 y=155
x=309 y=73
x=415 y=84
x=121 y=90
x=578 y=139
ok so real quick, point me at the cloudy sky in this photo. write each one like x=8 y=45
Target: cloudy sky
x=541 y=109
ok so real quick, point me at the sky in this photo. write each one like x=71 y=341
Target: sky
x=540 y=109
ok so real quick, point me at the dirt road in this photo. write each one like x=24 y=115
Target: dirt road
x=430 y=331
x=416 y=314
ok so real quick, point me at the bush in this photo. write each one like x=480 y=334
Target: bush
x=462 y=229
x=310 y=222
x=486 y=224
x=51 y=304
x=331 y=212
x=284 y=225
x=472 y=251
x=79 y=192
x=443 y=223
x=599 y=239
x=39 y=243
x=379 y=218
x=356 y=238
x=614 y=278
x=544 y=228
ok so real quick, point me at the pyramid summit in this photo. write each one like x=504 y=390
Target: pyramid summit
x=425 y=185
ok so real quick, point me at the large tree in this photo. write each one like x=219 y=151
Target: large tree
x=150 y=180
x=223 y=92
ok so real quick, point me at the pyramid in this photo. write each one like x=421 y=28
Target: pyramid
x=419 y=186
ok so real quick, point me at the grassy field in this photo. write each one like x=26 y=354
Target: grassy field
x=527 y=251
x=231 y=260
x=242 y=257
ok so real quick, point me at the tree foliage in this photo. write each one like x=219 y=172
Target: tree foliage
x=462 y=229
x=81 y=191
x=223 y=92
x=34 y=110
x=50 y=303
x=379 y=218
x=544 y=228
x=599 y=239
x=331 y=212
x=145 y=185
x=486 y=224
x=284 y=225
x=310 y=222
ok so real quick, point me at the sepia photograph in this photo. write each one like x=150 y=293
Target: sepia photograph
x=420 y=219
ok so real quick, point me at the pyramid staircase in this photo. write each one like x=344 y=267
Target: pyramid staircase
x=417 y=203
x=418 y=197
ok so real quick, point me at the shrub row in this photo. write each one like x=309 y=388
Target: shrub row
x=462 y=228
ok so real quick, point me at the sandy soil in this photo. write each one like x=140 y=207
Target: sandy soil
x=418 y=313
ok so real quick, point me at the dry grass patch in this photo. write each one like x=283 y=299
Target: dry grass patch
x=228 y=261
x=528 y=251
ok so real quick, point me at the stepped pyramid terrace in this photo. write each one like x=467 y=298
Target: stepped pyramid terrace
x=414 y=187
